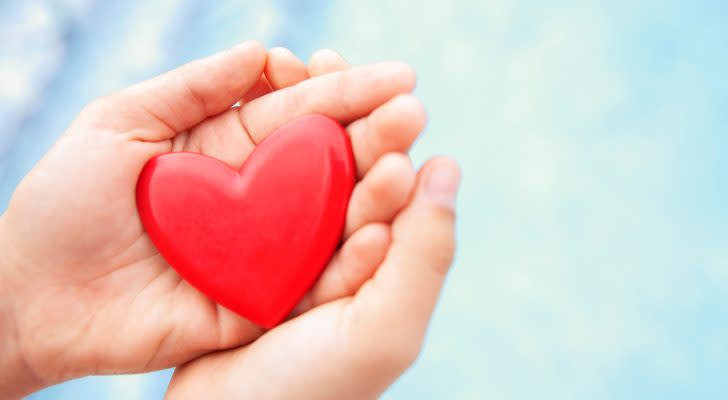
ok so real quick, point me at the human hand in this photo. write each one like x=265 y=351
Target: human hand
x=361 y=329
x=86 y=292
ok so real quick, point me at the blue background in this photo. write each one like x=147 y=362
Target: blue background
x=593 y=232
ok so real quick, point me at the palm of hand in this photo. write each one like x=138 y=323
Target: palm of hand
x=97 y=278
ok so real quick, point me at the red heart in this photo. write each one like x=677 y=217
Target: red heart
x=254 y=240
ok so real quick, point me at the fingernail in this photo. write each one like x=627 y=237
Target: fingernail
x=441 y=183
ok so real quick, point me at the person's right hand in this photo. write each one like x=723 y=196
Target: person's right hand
x=84 y=291
x=363 y=325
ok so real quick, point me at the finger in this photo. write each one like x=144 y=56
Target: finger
x=326 y=61
x=352 y=265
x=394 y=308
x=220 y=137
x=393 y=127
x=281 y=59
x=344 y=96
x=284 y=69
x=159 y=108
x=382 y=192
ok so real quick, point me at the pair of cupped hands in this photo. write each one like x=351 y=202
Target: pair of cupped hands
x=83 y=291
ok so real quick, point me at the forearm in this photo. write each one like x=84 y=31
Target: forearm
x=16 y=376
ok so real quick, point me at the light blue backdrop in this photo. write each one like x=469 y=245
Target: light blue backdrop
x=593 y=257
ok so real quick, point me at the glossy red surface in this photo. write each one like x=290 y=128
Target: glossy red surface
x=253 y=240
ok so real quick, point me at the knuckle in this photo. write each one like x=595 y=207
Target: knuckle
x=406 y=74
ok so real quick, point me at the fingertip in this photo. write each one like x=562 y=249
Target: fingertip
x=392 y=179
x=282 y=61
x=284 y=68
x=403 y=73
x=403 y=173
x=440 y=180
x=252 y=48
x=279 y=51
x=443 y=162
x=325 y=54
x=245 y=58
x=371 y=238
x=395 y=162
x=382 y=193
x=406 y=109
x=363 y=253
x=250 y=57
x=325 y=61
x=396 y=77
x=413 y=108
x=249 y=44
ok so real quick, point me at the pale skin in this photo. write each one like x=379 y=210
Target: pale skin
x=85 y=291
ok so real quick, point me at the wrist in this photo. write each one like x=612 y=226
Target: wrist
x=17 y=378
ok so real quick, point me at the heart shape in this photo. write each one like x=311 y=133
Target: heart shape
x=253 y=240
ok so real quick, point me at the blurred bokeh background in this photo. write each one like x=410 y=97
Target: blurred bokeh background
x=593 y=258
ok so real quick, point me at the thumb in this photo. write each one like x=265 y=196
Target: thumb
x=163 y=106
x=392 y=312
